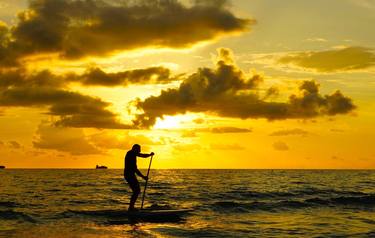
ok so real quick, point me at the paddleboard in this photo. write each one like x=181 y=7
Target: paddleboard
x=140 y=214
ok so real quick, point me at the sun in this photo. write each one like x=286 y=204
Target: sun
x=176 y=122
x=169 y=122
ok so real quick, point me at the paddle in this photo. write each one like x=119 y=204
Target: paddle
x=144 y=190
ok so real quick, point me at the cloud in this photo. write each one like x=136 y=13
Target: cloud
x=74 y=109
x=214 y=130
x=97 y=77
x=77 y=28
x=290 y=132
x=227 y=147
x=225 y=91
x=43 y=89
x=345 y=59
x=21 y=78
x=70 y=140
x=281 y=146
x=228 y=92
x=92 y=77
x=221 y=130
x=11 y=144
x=14 y=144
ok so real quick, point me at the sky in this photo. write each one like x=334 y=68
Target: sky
x=241 y=84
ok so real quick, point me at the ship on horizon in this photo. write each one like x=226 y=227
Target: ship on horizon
x=101 y=167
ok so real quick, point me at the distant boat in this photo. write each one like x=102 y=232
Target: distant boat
x=101 y=167
x=2 y=167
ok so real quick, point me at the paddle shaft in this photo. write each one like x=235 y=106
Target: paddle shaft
x=144 y=190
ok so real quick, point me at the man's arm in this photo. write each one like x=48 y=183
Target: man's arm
x=140 y=174
x=145 y=155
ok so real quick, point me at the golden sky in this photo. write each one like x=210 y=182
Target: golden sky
x=202 y=83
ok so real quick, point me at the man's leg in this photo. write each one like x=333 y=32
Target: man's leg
x=134 y=185
x=133 y=198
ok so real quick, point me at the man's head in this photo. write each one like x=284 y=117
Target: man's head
x=136 y=148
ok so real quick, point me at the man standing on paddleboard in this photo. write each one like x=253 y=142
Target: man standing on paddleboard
x=131 y=170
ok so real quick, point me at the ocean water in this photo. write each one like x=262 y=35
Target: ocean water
x=226 y=203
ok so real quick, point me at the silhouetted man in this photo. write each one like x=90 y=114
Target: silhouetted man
x=131 y=170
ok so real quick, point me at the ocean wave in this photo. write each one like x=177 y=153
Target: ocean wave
x=298 y=193
x=109 y=201
x=8 y=204
x=80 y=184
x=249 y=206
x=156 y=193
x=13 y=215
x=251 y=194
x=367 y=201
x=120 y=190
x=357 y=201
x=53 y=190
x=326 y=191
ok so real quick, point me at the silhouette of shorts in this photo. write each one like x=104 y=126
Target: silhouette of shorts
x=133 y=183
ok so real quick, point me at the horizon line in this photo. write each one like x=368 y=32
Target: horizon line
x=93 y=168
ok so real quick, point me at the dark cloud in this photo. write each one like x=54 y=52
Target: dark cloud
x=21 y=78
x=7 y=55
x=290 y=132
x=93 y=76
x=97 y=77
x=74 y=109
x=311 y=103
x=225 y=91
x=346 y=59
x=228 y=92
x=70 y=140
x=19 y=89
x=77 y=28
x=281 y=146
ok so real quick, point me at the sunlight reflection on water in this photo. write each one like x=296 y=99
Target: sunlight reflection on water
x=226 y=203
